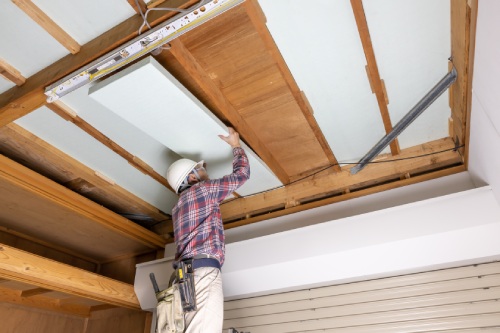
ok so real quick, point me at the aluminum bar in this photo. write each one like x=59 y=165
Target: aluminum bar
x=416 y=111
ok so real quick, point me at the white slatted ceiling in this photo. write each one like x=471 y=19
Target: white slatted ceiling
x=465 y=298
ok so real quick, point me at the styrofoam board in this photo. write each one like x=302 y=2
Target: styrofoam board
x=66 y=137
x=151 y=99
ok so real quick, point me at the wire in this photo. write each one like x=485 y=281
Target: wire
x=145 y=15
x=456 y=148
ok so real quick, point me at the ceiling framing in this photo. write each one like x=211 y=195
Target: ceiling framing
x=247 y=84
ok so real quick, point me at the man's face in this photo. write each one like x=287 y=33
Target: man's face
x=202 y=173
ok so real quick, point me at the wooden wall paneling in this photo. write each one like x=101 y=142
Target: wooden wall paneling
x=116 y=321
x=191 y=65
x=48 y=25
x=10 y=73
x=378 y=86
x=22 y=100
x=65 y=112
x=259 y=20
x=20 y=319
x=29 y=150
x=24 y=267
x=463 y=35
x=326 y=183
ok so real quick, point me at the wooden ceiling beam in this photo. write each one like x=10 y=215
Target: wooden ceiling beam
x=48 y=25
x=68 y=114
x=38 y=155
x=19 y=101
x=376 y=83
x=27 y=268
x=18 y=175
x=10 y=73
x=259 y=20
x=347 y=195
x=201 y=77
x=435 y=155
x=463 y=41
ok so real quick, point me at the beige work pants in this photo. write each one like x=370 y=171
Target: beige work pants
x=209 y=300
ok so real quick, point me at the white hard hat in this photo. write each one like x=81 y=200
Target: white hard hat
x=179 y=170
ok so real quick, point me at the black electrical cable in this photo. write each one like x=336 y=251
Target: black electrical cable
x=456 y=148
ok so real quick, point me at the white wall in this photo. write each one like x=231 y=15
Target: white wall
x=484 y=160
x=447 y=231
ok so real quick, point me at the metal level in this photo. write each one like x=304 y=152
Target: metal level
x=416 y=111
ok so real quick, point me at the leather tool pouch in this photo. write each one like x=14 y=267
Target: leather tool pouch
x=185 y=279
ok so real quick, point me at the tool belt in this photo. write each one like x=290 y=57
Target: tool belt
x=185 y=278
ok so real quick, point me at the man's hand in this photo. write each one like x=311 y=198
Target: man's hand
x=233 y=139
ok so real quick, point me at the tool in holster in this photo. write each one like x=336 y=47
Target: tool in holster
x=185 y=280
x=170 y=317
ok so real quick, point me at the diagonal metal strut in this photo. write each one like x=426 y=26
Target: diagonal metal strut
x=416 y=111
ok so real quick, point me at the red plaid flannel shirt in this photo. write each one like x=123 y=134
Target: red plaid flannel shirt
x=197 y=219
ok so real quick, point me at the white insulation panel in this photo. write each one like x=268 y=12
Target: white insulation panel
x=151 y=99
x=320 y=43
x=66 y=137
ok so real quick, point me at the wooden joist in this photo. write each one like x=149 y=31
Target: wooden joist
x=327 y=184
x=27 y=268
x=19 y=101
x=67 y=113
x=38 y=155
x=48 y=25
x=377 y=84
x=13 y=174
x=10 y=73
x=463 y=37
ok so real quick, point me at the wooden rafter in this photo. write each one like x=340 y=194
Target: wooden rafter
x=67 y=113
x=142 y=6
x=19 y=144
x=377 y=84
x=48 y=25
x=19 y=101
x=191 y=66
x=327 y=184
x=24 y=267
x=17 y=175
x=259 y=21
x=10 y=73
x=463 y=37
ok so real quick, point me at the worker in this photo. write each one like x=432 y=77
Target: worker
x=199 y=232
